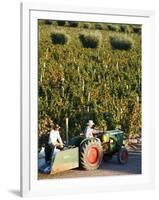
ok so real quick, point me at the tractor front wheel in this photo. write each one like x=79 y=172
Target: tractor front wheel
x=122 y=156
x=91 y=154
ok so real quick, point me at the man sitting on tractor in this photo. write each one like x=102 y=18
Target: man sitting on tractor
x=89 y=130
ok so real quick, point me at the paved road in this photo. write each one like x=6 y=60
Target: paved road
x=110 y=168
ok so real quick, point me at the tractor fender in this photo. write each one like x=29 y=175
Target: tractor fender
x=88 y=139
x=76 y=140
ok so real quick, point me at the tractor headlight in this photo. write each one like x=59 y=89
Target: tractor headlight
x=105 y=138
x=111 y=141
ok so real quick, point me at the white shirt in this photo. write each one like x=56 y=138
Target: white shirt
x=88 y=132
x=54 y=136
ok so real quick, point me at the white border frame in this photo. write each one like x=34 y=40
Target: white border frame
x=30 y=186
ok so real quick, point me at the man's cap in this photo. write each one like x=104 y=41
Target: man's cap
x=57 y=126
x=90 y=123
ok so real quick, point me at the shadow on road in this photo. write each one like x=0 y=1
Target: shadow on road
x=133 y=166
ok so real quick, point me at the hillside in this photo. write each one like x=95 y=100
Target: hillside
x=100 y=82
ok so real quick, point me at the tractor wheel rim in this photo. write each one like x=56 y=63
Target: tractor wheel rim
x=124 y=155
x=92 y=155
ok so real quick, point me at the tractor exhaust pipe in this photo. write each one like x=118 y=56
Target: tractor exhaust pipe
x=67 y=138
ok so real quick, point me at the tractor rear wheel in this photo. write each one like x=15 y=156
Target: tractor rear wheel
x=122 y=156
x=91 y=154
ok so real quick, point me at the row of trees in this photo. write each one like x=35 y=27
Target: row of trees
x=127 y=28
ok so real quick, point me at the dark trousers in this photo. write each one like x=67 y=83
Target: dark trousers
x=49 y=150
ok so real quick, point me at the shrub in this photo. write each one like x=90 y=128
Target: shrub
x=48 y=22
x=61 y=23
x=59 y=38
x=54 y=23
x=113 y=27
x=86 y=25
x=124 y=28
x=121 y=42
x=98 y=26
x=136 y=29
x=90 y=40
x=73 y=24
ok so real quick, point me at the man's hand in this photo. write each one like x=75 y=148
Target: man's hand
x=59 y=146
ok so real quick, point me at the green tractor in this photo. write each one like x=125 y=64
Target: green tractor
x=101 y=147
x=88 y=153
